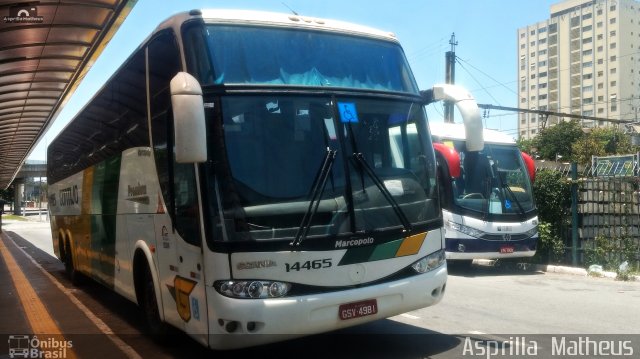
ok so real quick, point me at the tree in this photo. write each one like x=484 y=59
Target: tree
x=601 y=142
x=558 y=140
x=552 y=194
x=526 y=145
x=7 y=194
x=586 y=147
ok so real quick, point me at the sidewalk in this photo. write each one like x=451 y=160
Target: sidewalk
x=549 y=268
x=36 y=305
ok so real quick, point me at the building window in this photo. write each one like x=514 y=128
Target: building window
x=533 y=43
x=587 y=89
x=600 y=86
x=612 y=58
x=587 y=64
x=612 y=33
x=613 y=84
x=586 y=28
x=612 y=8
x=541 y=30
x=543 y=85
x=600 y=48
x=533 y=32
x=587 y=40
x=522 y=35
x=543 y=97
x=575 y=21
x=600 y=73
x=599 y=24
x=612 y=21
x=587 y=76
x=600 y=37
x=542 y=41
x=587 y=101
x=612 y=71
x=612 y=45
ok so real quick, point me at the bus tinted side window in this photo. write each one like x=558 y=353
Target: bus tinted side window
x=176 y=180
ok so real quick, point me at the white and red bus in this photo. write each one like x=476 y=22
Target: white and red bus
x=487 y=199
x=237 y=178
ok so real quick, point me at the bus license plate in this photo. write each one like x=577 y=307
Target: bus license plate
x=507 y=249
x=358 y=309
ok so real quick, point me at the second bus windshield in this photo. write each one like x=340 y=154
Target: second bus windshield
x=493 y=181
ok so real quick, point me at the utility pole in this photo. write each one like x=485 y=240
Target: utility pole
x=450 y=76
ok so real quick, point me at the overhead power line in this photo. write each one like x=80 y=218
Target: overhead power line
x=550 y=113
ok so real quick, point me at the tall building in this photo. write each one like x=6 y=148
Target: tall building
x=583 y=60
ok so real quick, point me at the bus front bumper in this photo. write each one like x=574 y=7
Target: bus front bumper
x=237 y=323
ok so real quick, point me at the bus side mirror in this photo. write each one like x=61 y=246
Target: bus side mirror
x=188 y=119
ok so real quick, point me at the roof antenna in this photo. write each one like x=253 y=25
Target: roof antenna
x=295 y=13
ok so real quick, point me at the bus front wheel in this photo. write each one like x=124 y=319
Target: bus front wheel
x=157 y=328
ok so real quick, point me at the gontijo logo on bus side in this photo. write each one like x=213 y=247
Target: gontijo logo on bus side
x=69 y=196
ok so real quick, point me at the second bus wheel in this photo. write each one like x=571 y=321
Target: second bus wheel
x=69 y=266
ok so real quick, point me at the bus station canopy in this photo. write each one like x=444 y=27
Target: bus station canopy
x=46 y=48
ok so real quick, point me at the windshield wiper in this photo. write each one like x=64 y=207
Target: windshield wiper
x=319 y=184
x=511 y=194
x=385 y=192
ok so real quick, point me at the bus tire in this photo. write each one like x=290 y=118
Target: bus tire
x=157 y=328
x=69 y=265
x=460 y=264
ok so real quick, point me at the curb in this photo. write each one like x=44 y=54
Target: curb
x=548 y=268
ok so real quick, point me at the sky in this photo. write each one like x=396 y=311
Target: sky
x=485 y=30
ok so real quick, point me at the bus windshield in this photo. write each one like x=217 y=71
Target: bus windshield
x=294 y=57
x=493 y=181
x=275 y=164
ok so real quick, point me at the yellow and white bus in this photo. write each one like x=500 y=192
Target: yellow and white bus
x=236 y=178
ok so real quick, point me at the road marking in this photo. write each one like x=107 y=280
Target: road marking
x=104 y=328
x=409 y=316
x=39 y=318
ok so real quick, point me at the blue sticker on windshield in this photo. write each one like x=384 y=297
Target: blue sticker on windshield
x=507 y=204
x=397 y=118
x=348 y=112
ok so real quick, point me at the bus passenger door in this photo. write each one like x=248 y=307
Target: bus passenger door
x=184 y=299
x=192 y=305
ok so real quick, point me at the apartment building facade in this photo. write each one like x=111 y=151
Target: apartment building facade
x=584 y=60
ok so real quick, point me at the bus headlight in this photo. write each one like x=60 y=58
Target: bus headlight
x=465 y=229
x=252 y=289
x=532 y=232
x=430 y=262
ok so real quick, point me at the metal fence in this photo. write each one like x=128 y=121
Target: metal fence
x=608 y=211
